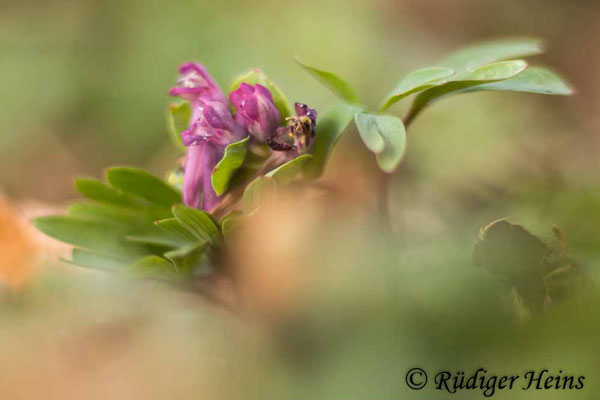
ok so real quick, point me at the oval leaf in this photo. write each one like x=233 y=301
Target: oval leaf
x=144 y=185
x=257 y=76
x=153 y=267
x=417 y=81
x=330 y=126
x=197 y=222
x=98 y=191
x=285 y=173
x=233 y=158
x=336 y=84
x=256 y=191
x=492 y=51
x=387 y=135
x=533 y=80
x=178 y=119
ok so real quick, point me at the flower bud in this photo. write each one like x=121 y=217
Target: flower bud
x=196 y=83
x=256 y=111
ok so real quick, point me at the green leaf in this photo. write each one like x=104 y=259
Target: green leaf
x=186 y=258
x=231 y=223
x=257 y=76
x=98 y=191
x=159 y=238
x=417 y=81
x=285 y=173
x=143 y=185
x=489 y=73
x=89 y=259
x=178 y=121
x=385 y=136
x=173 y=225
x=533 y=80
x=330 y=126
x=151 y=267
x=336 y=84
x=199 y=223
x=102 y=236
x=484 y=53
x=233 y=158
x=256 y=191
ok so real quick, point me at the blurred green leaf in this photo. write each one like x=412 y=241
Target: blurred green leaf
x=98 y=191
x=336 y=84
x=143 y=185
x=233 y=158
x=230 y=223
x=533 y=80
x=257 y=76
x=498 y=71
x=198 y=222
x=256 y=191
x=385 y=136
x=285 y=173
x=102 y=236
x=417 y=81
x=151 y=267
x=488 y=52
x=89 y=259
x=330 y=126
x=186 y=258
x=174 y=226
x=178 y=120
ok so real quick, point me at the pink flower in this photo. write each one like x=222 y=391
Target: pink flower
x=256 y=111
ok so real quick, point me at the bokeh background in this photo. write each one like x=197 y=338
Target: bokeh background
x=84 y=86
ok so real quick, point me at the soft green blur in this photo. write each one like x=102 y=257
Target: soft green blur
x=84 y=86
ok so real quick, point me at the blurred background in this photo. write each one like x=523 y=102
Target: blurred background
x=84 y=86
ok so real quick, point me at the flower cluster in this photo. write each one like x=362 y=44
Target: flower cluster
x=213 y=127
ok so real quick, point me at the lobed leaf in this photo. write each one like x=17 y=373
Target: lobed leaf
x=144 y=185
x=385 y=136
x=417 y=81
x=257 y=76
x=233 y=158
x=330 y=126
x=336 y=84
x=178 y=118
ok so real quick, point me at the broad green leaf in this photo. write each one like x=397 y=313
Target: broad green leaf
x=198 y=222
x=486 y=74
x=256 y=191
x=285 y=173
x=417 y=81
x=151 y=267
x=178 y=117
x=160 y=238
x=533 y=80
x=257 y=76
x=129 y=218
x=98 y=191
x=101 y=236
x=186 y=258
x=336 y=84
x=385 y=136
x=173 y=225
x=89 y=259
x=484 y=53
x=143 y=185
x=230 y=223
x=233 y=158
x=330 y=126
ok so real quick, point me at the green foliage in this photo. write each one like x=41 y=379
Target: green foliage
x=198 y=223
x=385 y=136
x=330 y=126
x=152 y=267
x=257 y=191
x=285 y=173
x=479 y=54
x=417 y=81
x=98 y=191
x=336 y=84
x=533 y=80
x=257 y=76
x=230 y=223
x=141 y=184
x=232 y=160
x=178 y=119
